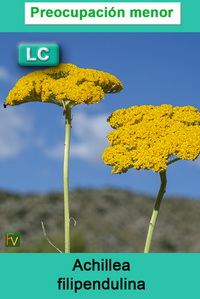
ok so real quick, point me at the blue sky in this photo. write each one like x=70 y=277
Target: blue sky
x=155 y=68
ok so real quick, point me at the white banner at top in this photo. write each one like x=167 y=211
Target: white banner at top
x=102 y=13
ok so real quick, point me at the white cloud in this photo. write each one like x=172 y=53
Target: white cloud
x=55 y=152
x=4 y=74
x=14 y=129
x=90 y=133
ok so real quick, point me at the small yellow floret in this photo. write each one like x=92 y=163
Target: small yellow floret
x=146 y=137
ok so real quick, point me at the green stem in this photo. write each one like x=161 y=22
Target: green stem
x=66 y=178
x=172 y=161
x=155 y=211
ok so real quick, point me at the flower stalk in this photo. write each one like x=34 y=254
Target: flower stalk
x=65 y=85
x=67 y=113
x=154 y=216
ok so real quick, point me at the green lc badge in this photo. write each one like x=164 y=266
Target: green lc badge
x=38 y=54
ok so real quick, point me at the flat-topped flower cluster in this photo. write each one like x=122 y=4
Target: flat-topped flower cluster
x=65 y=82
x=147 y=137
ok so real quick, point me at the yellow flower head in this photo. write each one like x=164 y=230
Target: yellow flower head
x=148 y=136
x=65 y=82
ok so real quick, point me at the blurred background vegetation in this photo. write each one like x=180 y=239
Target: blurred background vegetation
x=107 y=220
